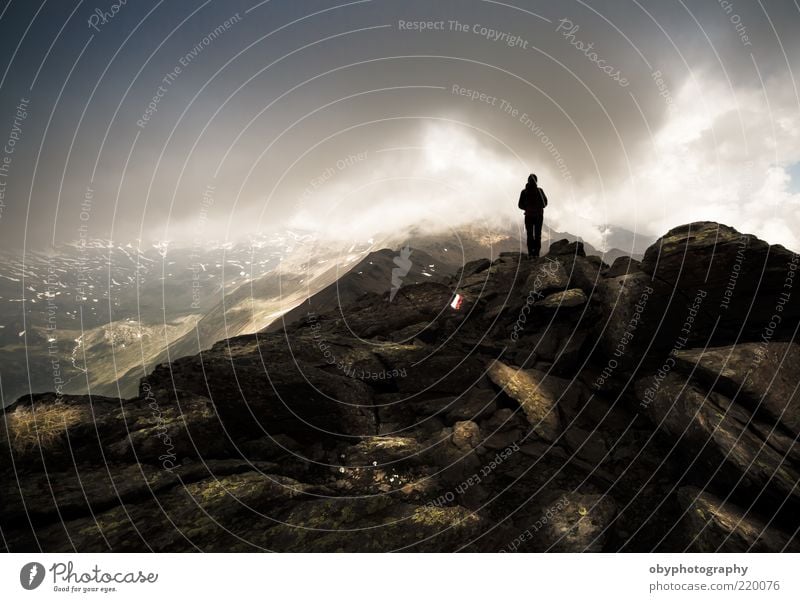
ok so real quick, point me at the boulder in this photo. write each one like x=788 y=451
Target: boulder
x=622 y=266
x=547 y=276
x=584 y=272
x=722 y=438
x=83 y=490
x=473 y=267
x=572 y=298
x=759 y=376
x=743 y=279
x=253 y=397
x=162 y=428
x=565 y=247
x=537 y=394
x=714 y=525
x=466 y=435
x=629 y=316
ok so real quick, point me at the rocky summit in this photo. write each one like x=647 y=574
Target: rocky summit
x=522 y=405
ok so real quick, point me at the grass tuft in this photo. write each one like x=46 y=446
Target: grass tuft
x=40 y=425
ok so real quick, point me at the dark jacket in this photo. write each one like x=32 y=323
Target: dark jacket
x=532 y=199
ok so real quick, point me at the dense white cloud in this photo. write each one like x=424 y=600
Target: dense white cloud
x=720 y=154
x=449 y=178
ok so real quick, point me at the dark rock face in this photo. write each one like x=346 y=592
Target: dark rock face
x=536 y=393
x=718 y=526
x=728 y=271
x=551 y=404
x=762 y=377
x=298 y=399
x=735 y=415
x=473 y=267
x=565 y=247
x=622 y=266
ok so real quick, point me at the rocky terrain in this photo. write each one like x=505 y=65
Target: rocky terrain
x=97 y=315
x=556 y=404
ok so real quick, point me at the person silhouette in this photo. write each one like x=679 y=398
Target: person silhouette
x=532 y=200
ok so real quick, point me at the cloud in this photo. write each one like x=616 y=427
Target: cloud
x=446 y=178
x=718 y=155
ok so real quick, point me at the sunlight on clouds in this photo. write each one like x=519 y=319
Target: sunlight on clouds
x=447 y=179
x=716 y=157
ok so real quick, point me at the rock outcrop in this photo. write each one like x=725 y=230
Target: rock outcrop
x=555 y=404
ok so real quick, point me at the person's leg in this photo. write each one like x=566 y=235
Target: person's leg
x=529 y=228
x=537 y=223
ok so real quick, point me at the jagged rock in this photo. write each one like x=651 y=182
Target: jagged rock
x=720 y=436
x=622 y=266
x=566 y=299
x=404 y=423
x=425 y=332
x=717 y=526
x=760 y=376
x=413 y=304
x=703 y=284
x=742 y=277
x=474 y=404
x=473 y=267
x=629 y=316
x=547 y=276
x=78 y=492
x=565 y=247
x=536 y=392
x=583 y=272
x=432 y=374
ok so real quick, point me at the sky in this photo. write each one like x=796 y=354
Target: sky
x=198 y=120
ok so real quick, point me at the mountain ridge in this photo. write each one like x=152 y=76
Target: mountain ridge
x=453 y=416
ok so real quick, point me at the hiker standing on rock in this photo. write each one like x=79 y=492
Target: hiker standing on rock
x=533 y=201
